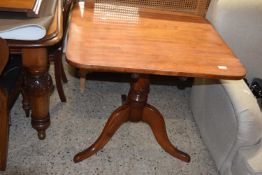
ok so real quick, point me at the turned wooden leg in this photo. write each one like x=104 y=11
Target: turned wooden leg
x=135 y=109
x=38 y=87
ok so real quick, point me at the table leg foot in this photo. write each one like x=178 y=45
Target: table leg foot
x=118 y=117
x=41 y=134
x=40 y=125
x=156 y=121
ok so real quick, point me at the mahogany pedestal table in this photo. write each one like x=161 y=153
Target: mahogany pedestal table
x=38 y=85
x=147 y=42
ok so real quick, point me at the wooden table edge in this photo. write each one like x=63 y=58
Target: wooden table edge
x=54 y=34
x=155 y=72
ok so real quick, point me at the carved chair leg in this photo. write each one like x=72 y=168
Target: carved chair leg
x=59 y=75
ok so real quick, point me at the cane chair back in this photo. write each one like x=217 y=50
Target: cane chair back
x=192 y=7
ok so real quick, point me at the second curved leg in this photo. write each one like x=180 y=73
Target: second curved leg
x=156 y=121
x=117 y=118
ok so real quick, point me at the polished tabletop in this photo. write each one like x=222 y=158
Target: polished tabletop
x=107 y=37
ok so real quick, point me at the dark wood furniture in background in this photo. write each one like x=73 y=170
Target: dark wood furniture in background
x=10 y=86
x=56 y=52
x=37 y=84
x=142 y=42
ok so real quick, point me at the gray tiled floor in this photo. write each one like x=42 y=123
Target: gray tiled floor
x=132 y=151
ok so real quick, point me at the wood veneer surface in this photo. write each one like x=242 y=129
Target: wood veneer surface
x=105 y=37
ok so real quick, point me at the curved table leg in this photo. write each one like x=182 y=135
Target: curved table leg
x=156 y=121
x=38 y=87
x=118 y=117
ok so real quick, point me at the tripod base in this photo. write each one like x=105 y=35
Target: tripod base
x=135 y=109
